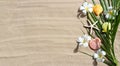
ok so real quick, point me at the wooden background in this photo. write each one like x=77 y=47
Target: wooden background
x=42 y=33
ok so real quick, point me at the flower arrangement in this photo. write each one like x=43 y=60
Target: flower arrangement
x=103 y=19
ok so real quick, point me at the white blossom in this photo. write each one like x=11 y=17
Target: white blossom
x=111 y=13
x=83 y=40
x=99 y=55
x=86 y=7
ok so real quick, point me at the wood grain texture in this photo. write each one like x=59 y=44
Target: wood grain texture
x=41 y=33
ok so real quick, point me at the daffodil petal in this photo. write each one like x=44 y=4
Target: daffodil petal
x=104 y=26
x=87 y=37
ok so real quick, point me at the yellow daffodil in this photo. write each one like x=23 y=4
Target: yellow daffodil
x=106 y=26
x=97 y=9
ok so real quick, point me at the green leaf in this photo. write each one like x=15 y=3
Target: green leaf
x=93 y=2
x=115 y=27
x=109 y=2
x=103 y=4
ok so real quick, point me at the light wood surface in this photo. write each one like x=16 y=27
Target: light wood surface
x=42 y=33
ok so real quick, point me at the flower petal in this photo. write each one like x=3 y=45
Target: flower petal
x=95 y=55
x=85 y=44
x=109 y=26
x=104 y=27
x=107 y=15
x=99 y=60
x=103 y=52
x=90 y=9
x=82 y=8
x=85 y=4
x=90 y=5
x=98 y=51
x=110 y=7
x=80 y=39
x=84 y=11
x=103 y=60
x=99 y=55
x=80 y=44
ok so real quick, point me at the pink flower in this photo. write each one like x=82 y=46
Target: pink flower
x=94 y=44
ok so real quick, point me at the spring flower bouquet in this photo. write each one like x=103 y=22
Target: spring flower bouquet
x=103 y=18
